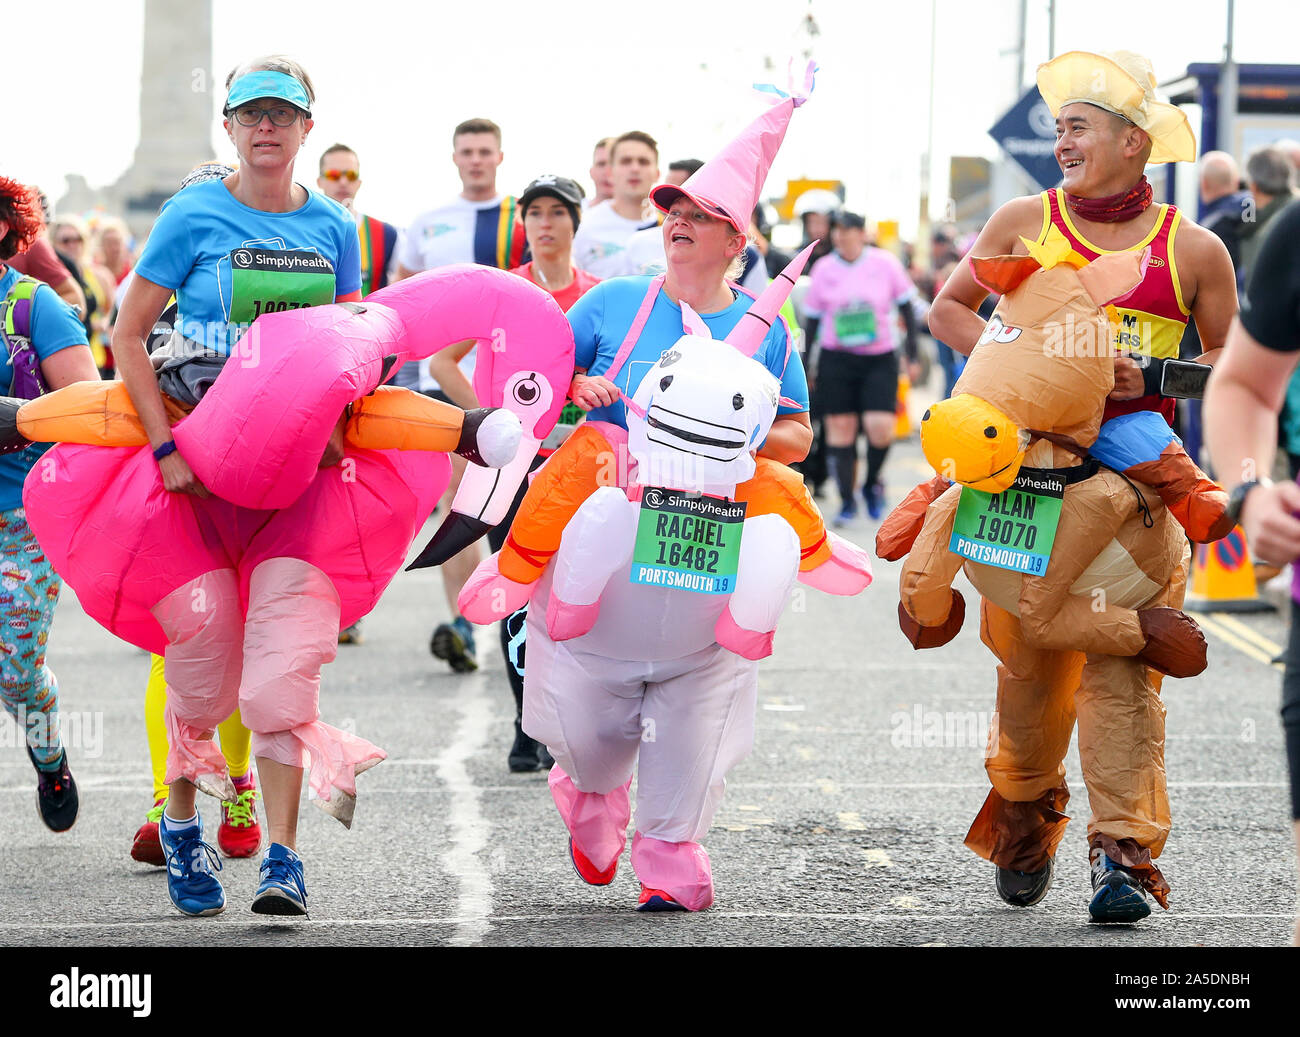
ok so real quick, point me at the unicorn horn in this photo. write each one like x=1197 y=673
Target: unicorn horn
x=748 y=335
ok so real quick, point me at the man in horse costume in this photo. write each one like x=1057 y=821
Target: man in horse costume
x=1109 y=126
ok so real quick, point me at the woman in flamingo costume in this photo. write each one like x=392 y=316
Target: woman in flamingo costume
x=284 y=483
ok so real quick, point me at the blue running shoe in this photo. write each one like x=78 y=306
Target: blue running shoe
x=282 y=890
x=875 y=498
x=193 y=887
x=847 y=514
x=1117 y=896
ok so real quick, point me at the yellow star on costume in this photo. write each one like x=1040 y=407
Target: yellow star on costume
x=1055 y=248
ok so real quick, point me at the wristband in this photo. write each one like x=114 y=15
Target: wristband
x=1152 y=373
x=167 y=448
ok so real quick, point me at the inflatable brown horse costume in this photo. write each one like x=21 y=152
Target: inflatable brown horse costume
x=1079 y=569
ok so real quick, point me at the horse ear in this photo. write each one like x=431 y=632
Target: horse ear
x=1002 y=274
x=1114 y=276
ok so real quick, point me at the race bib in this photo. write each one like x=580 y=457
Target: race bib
x=688 y=541
x=268 y=280
x=570 y=418
x=1013 y=529
x=856 y=327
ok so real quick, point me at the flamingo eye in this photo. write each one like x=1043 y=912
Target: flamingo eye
x=527 y=392
x=738 y=402
x=665 y=381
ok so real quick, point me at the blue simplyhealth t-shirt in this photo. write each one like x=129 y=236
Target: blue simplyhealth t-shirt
x=228 y=263
x=55 y=326
x=601 y=320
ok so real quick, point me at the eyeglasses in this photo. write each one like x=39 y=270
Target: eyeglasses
x=691 y=215
x=69 y=239
x=339 y=174
x=251 y=115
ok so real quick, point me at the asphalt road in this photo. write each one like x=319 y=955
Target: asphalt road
x=836 y=831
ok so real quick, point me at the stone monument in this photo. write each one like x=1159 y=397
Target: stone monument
x=177 y=86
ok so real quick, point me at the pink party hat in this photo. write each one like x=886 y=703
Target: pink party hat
x=755 y=323
x=729 y=184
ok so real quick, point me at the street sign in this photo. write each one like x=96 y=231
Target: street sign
x=1027 y=133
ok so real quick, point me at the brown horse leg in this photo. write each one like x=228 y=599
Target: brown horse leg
x=1021 y=822
x=1121 y=746
x=1192 y=497
x=1126 y=777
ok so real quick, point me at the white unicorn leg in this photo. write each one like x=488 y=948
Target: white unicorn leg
x=768 y=566
x=597 y=542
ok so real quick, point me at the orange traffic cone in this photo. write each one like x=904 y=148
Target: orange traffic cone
x=1223 y=577
x=903 y=426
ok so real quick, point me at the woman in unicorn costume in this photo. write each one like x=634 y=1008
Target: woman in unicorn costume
x=652 y=668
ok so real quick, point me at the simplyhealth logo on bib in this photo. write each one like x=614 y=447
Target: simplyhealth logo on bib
x=687 y=540
x=266 y=280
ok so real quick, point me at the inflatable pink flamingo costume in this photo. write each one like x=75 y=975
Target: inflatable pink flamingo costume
x=246 y=590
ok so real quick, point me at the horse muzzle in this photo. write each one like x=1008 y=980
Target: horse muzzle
x=969 y=441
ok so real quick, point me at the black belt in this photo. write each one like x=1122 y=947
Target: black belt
x=1072 y=475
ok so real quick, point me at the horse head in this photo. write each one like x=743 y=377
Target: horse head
x=1044 y=364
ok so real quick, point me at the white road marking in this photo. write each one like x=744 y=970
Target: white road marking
x=468 y=827
x=878 y=858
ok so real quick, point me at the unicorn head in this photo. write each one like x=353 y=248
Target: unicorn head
x=700 y=413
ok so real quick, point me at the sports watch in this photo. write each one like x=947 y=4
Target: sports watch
x=1237 y=498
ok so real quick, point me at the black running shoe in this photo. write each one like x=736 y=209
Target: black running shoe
x=454 y=644
x=526 y=753
x=1025 y=888
x=1117 y=895
x=56 y=795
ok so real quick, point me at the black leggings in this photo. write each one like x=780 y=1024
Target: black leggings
x=1291 y=708
x=512 y=627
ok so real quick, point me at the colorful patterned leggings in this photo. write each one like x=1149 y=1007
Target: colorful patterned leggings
x=29 y=590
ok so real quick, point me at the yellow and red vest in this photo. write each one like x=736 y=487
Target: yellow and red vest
x=1153 y=318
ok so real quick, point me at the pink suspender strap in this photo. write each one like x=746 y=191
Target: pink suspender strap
x=638 y=323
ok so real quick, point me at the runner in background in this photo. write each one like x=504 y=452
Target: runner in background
x=599 y=173
x=849 y=312
x=113 y=247
x=40 y=261
x=340 y=179
x=69 y=236
x=481 y=226
x=35 y=325
x=608 y=227
x=552 y=208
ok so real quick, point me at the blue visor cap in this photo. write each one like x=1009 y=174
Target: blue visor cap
x=265 y=83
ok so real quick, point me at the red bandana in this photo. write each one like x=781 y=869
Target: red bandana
x=1115 y=209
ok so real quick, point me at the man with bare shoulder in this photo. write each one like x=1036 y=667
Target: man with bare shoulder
x=1109 y=127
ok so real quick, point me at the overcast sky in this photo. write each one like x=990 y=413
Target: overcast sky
x=392 y=79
